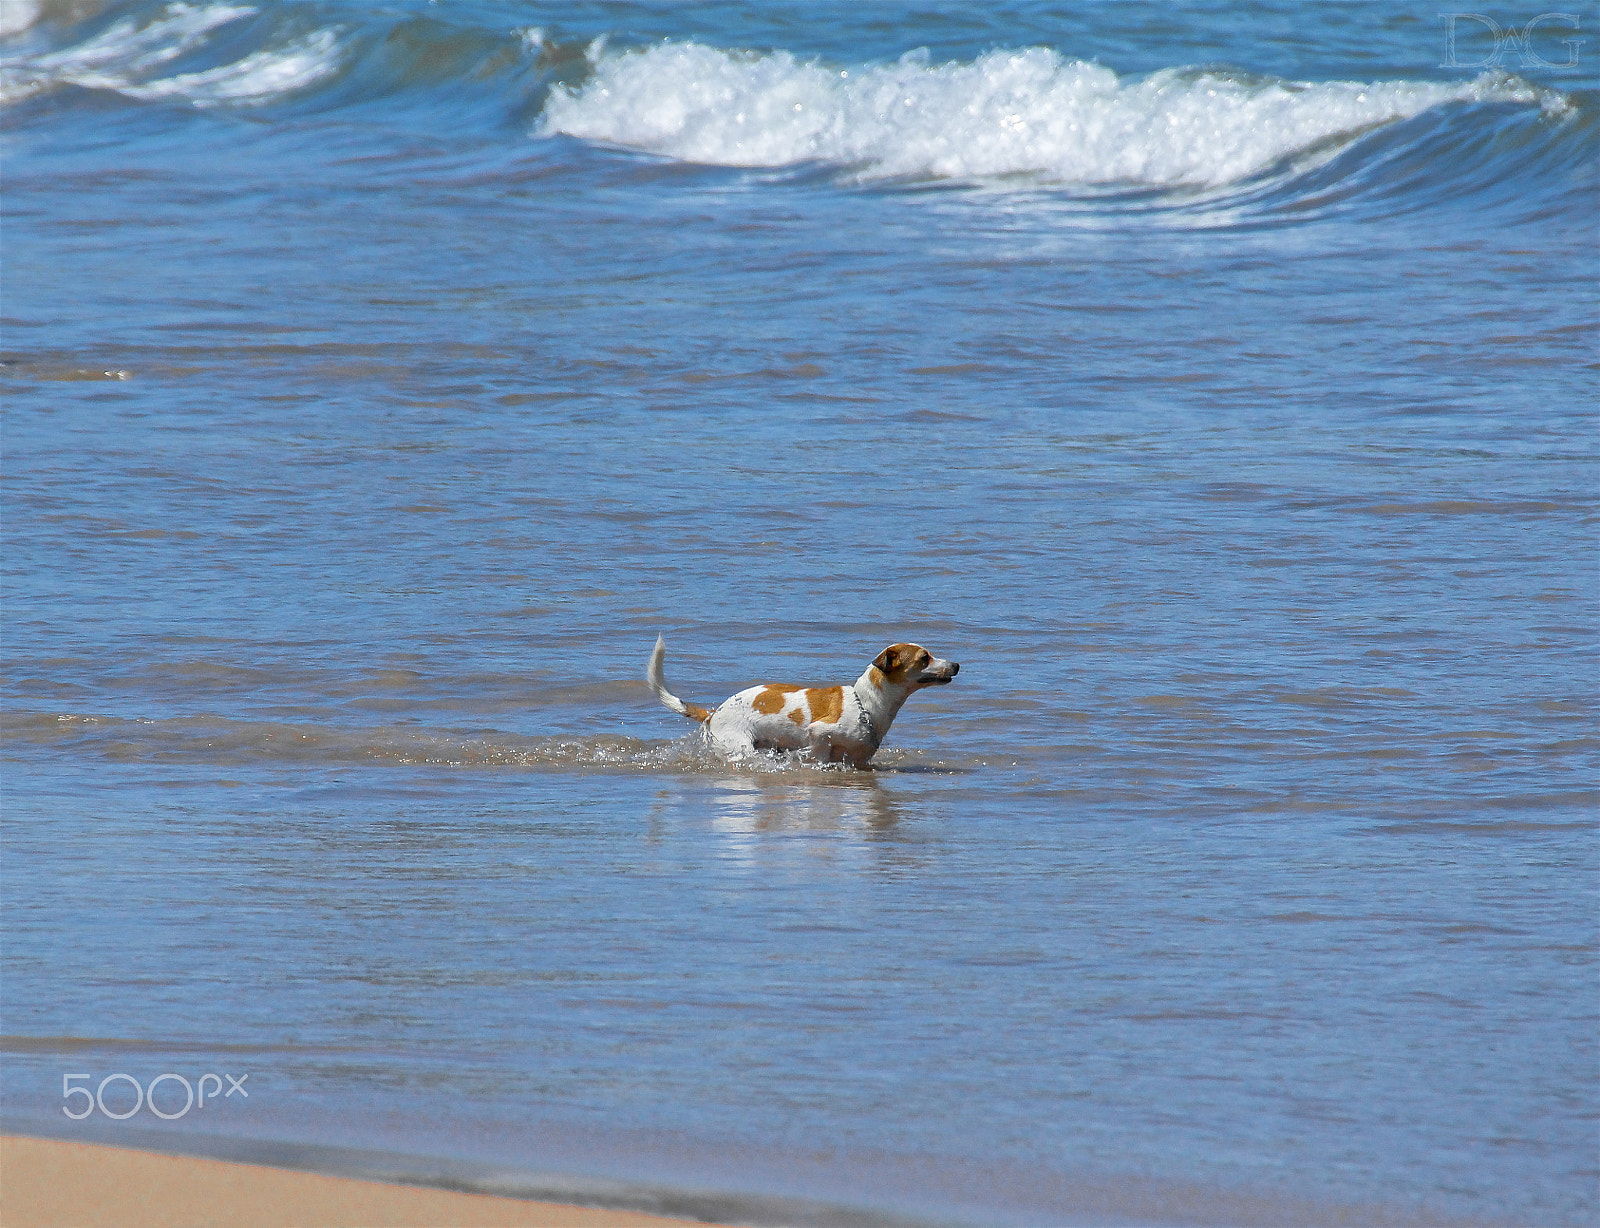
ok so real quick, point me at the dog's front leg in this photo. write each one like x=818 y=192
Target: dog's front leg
x=825 y=746
x=820 y=746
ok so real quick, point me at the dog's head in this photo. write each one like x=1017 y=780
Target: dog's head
x=913 y=667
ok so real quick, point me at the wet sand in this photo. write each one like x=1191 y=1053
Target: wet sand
x=48 y=1184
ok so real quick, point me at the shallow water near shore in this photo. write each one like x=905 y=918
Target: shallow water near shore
x=1216 y=389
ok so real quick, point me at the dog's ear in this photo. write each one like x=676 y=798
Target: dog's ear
x=888 y=660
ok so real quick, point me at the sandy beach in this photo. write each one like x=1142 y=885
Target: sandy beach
x=48 y=1184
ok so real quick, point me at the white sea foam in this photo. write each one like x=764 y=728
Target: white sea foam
x=258 y=77
x=120 y=54
x=125 y=56
x=1027 y=112
x=125 y=49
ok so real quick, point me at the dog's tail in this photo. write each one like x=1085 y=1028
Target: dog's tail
x=658 y=684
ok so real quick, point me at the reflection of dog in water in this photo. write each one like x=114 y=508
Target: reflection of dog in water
x=834 y=724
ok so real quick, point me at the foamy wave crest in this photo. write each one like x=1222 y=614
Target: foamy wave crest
x=1027 y=112
x=127 y=55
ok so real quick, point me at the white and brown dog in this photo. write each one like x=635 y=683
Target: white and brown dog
x=834 y=724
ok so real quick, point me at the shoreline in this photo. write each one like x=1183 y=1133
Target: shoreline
x=53 y=1182
x=49 y=1183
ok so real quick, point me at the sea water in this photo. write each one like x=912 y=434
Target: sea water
x=1215 y=383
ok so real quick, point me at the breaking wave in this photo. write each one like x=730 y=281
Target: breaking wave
x=1008 y=113
x=1209 y=141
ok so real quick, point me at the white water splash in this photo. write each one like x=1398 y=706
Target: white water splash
x=222 y=740
x=1027 y=112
